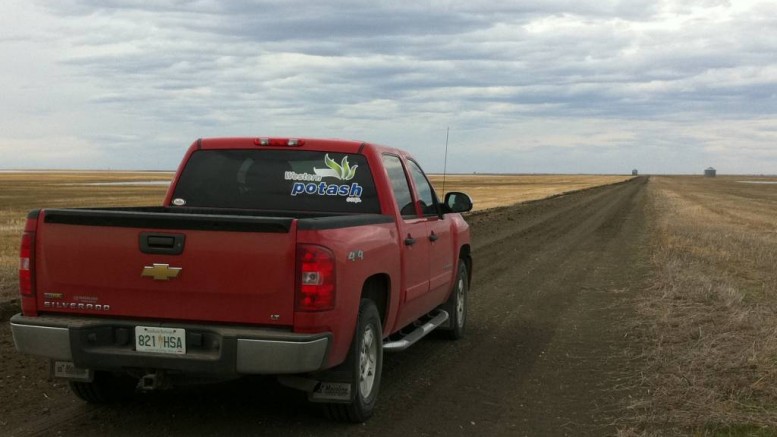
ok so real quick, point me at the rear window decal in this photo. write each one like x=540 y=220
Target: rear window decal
x=342 y=171
x=314 y=184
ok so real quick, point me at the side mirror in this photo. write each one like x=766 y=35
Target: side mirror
x=458 y=202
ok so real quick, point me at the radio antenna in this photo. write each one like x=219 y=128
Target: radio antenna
x=445 y=164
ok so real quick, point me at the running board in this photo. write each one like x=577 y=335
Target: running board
x=417 y=334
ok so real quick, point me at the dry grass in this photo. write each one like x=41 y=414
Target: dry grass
x=491 y=191
x=712 y=314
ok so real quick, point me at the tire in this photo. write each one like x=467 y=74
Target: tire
x=365 y=365
x=456 y=306
x=105 y=388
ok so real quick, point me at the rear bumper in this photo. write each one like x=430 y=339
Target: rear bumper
x=106 y=344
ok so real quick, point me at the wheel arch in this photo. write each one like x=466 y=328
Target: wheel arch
x=378 y=289
x=464 y=255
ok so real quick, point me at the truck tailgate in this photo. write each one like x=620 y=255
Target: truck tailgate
x=87 y=264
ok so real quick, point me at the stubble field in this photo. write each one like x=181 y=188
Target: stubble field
x=493 y=191
x=710 y=314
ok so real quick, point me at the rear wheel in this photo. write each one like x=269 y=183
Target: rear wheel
x=456 y=306
x=105 y=388
x=365 y=362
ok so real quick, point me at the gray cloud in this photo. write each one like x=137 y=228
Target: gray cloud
x=606 y=82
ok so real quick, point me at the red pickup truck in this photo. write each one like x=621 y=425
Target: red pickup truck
x=301 y=258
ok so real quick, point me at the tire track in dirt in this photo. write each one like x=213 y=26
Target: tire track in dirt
x=543 y=358
x=543 y=354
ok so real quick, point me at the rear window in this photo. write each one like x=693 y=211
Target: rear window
x=278 y=180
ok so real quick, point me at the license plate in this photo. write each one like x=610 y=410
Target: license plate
x=67 y=370
x=160 y=340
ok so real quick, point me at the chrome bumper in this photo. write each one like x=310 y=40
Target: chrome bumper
x=43 y=341
x=108 y=344
x=279 y=357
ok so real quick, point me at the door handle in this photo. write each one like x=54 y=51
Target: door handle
x=434 y=237
x=409 y=241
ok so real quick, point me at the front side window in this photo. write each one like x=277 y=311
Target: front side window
x=399 y=185
x=278 y=180
x=426 y=196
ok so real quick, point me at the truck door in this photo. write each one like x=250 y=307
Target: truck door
x=442 y=255
x=413 y=242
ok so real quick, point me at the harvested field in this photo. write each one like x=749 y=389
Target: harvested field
x=492 y=191
x=710 y=314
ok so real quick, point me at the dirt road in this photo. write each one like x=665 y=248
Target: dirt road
x=544 y=354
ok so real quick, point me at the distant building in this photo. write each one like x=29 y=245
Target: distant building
x=635 y=172
x=710 y=172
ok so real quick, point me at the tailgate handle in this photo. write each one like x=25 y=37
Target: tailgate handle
x=161 y=242
x=165 y=244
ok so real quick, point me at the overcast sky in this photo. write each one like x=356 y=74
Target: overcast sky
x=579 y=86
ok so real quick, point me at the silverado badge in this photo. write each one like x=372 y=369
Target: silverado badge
x=161 y=272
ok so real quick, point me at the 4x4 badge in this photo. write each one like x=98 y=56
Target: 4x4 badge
x=161 y=272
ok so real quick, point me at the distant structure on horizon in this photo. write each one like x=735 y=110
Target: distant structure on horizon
x=710 y=172
x=635 y=172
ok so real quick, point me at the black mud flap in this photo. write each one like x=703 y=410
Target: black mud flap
x=330 y=386
x=332 y=392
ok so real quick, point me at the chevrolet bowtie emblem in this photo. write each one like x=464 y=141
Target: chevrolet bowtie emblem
x=161 y=272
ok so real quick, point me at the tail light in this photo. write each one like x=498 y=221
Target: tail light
x=315 y=278
x=27 y=267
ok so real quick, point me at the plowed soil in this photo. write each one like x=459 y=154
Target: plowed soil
x=546 y=352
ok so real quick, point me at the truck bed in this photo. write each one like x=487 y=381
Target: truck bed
x=236 y=266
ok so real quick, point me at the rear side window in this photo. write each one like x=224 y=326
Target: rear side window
x=278 y=180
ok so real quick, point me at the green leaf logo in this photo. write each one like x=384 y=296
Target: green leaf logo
x=343 y=171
